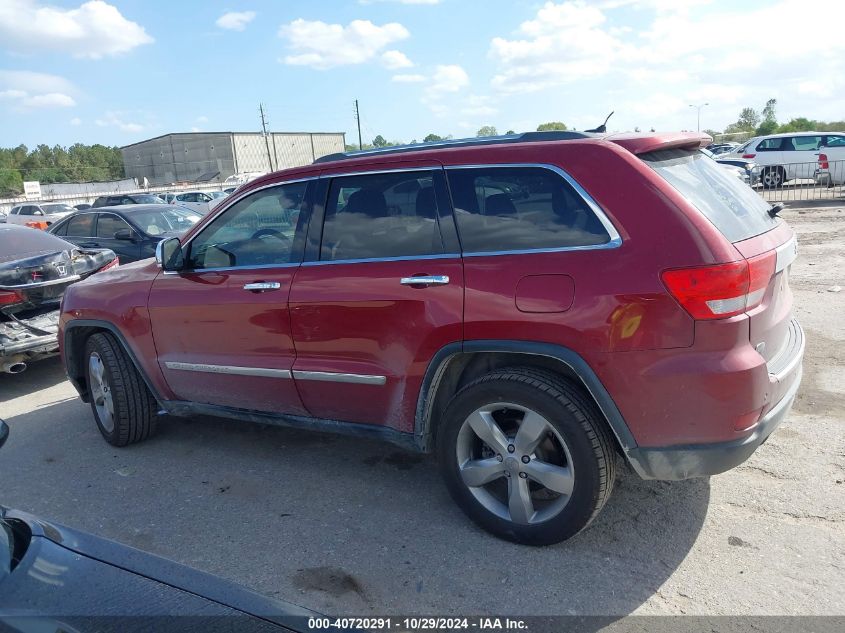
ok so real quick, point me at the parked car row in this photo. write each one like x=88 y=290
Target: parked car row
x=503 y=303
x=788 y=156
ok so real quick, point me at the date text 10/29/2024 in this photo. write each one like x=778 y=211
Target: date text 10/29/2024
x=492 y=624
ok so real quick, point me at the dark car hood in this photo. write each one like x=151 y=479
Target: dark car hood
x=76 y=577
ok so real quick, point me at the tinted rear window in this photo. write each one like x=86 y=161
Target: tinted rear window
x=734 y=207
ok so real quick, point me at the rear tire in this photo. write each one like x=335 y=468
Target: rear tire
x=546 y=466
x=123 y=407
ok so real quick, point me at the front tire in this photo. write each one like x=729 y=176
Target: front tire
x=773 y=177
x=123 y=407
x=526 y=456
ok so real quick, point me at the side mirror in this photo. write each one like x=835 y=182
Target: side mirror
x=169 y=254
x=125 y=234
x=4 y=433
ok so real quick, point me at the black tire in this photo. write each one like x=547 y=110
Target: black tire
x=135 y=409
x=773 y=177
x=574 y=418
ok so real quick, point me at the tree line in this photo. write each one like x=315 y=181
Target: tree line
x=77 y=163
x=763 y=122
x=486 y=130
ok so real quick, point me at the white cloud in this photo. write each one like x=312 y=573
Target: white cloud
x=202 y=119
x=76 y=121
x=195 y=129
x=93 y=30
x=117 y=120
x=394 y=60
x=24 y=90
x=448 y=78
x=235 y=20
x=478 y=105
x=408 y=79
x=321 y=45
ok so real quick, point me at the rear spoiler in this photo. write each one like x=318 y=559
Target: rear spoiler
x=642 y=144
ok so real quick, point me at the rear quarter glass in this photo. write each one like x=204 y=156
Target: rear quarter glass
x=732 y=206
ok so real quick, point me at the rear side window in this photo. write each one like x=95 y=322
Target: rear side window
x=520 y=208
x=108 y=225
x=381 y=215
x=835 y=141
x=732 y=206
x=804 y=143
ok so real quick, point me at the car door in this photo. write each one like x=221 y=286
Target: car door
x=380 y=293
x=801 y=155
x=108 y=224
x=221 y=326
x=191 y=201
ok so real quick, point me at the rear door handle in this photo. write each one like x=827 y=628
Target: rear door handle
x=425 y=280
x=262 y=286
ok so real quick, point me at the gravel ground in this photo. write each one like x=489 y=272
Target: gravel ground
x=351 y=526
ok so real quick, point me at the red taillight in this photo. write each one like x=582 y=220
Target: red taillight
x=723 y=290
x=9 y=297
x=111 y=264
x=749 y=155
x=823 y=164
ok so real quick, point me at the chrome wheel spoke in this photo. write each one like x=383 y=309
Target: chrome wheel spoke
x=485 y=427
x=520 y=506
x=556 y=478
x=531 y=432
x=478 y=472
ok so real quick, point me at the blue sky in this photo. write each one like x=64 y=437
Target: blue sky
x=119 y=71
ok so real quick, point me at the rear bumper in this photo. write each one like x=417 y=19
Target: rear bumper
x=703 y=460
x=31 y=337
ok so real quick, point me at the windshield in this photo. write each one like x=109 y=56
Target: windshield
x=57 y=208
x=145 y=198
x=169 y=220
x=734 y=207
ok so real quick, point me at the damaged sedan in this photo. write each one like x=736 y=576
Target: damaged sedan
x=35 y=269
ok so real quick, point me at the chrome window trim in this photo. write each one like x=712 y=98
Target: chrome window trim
x=399 y=258
x=229 y=369
x=615 y=239
x=330 y=376
x=42 y=284
x=375 y=172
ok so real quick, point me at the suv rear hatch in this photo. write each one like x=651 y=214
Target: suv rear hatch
x=757 y=283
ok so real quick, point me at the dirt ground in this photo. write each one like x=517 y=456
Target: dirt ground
x=352 y=526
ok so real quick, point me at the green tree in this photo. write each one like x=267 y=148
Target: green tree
x=432 y=138
x=487 y=130
x=379 y=141
x=510 y=132
x=769 y=123
x=552 y=126
x=800 y=124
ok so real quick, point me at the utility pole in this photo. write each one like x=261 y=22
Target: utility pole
x=698 y=115
x=266 y=140
x=358 y=119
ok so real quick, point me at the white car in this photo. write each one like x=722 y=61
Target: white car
x=195 y=200
x=785 y=157
x=47 y=212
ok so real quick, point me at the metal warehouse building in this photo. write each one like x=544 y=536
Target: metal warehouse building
x=192 y=156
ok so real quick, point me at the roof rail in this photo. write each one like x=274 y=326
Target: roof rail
x=525 y=137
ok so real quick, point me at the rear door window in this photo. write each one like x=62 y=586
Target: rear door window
x=109 y=224
x=732 y=206
x=520 y=208
x=804 y=143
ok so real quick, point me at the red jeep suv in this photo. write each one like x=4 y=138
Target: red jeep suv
x=528 y=307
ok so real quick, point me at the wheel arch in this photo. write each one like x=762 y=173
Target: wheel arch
x=457 y=364
x=75 y=334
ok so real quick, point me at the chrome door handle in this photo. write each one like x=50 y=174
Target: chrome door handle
x=428 y=280
x=262 y=286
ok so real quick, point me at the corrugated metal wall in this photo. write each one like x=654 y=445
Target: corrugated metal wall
x=186 y=157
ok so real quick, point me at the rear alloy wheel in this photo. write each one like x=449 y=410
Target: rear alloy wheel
x=123 y=407
x=526 y=456
x=772 y=177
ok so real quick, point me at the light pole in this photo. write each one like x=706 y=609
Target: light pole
x=698 y=115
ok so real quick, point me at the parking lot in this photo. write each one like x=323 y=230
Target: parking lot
x=345 y=525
